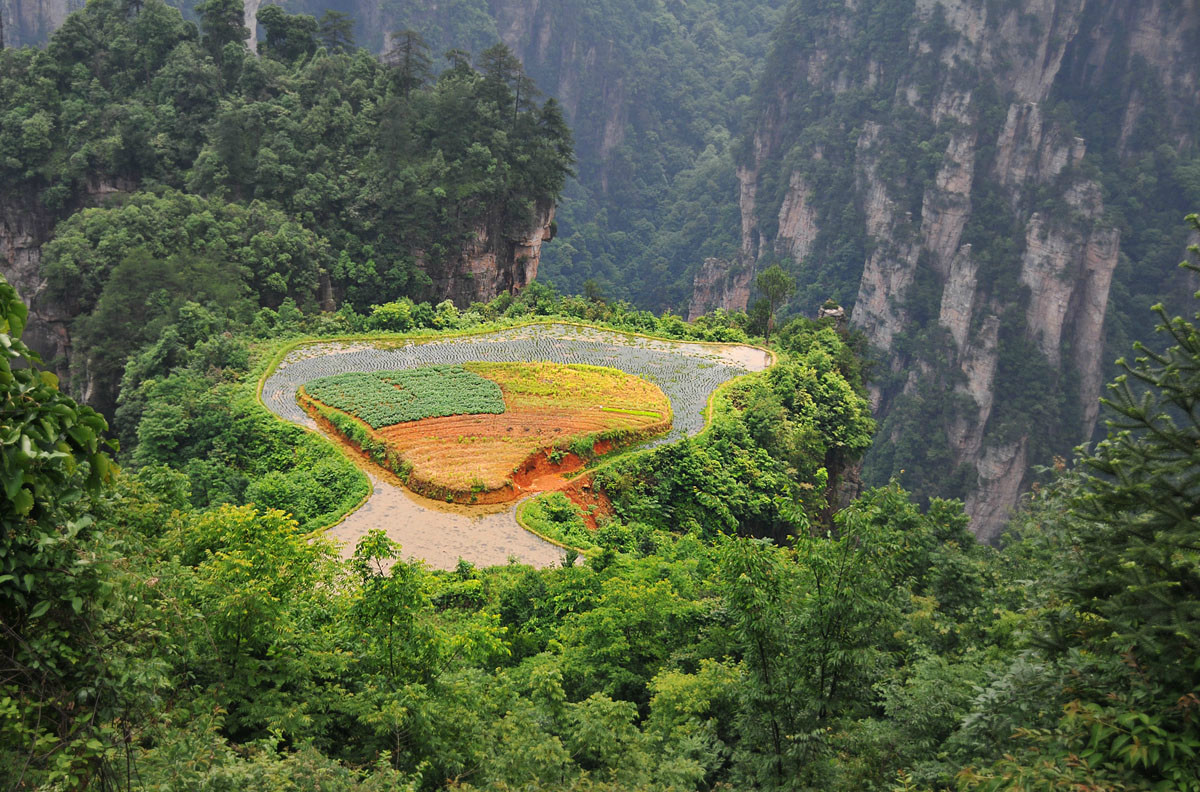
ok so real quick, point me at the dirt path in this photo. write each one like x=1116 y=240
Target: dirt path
x=440 y=534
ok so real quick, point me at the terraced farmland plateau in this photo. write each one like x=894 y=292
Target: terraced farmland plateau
x=687 y=373
x=447 y=435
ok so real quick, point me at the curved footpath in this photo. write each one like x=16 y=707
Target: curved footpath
x=440 y=534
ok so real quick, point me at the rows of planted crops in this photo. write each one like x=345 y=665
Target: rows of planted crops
x=383 y=398
x=687 y=373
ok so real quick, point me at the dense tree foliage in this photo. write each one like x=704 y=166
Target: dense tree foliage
x=310 y=173
x=60 y=682
x=657 y=93
x=745 y=619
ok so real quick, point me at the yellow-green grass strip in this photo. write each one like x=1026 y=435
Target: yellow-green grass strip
x=644 y=413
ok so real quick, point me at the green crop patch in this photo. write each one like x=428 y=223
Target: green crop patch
x=384 y=398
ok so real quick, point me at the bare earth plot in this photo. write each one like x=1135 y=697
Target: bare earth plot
x=439 y=534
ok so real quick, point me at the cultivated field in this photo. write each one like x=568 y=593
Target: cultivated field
x=382 y=398
x=440 y=533
x=554 y=418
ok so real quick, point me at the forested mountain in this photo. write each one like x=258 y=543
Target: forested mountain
x=153 y=643
x=312 y=175
x=991 y=189
x=656 y=93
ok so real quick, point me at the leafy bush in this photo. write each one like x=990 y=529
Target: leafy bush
x=556 y=517
x=383 y=398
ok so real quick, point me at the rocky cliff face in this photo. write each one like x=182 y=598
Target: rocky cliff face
x=719 y=282
x=979 y=213
x=494 y=262
x=32 y=21
x=583 y=72
x=25 y=225
x=23 y=228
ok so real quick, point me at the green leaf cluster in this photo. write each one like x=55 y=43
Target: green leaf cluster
x=58 y=688
x=554 y=516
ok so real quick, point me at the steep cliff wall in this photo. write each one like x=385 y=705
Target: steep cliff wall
x=32 y=21
x=655 y=93
x=494 y=262
x=23 y=228
x=587 y=73
x=961 y=212
x=25 y=225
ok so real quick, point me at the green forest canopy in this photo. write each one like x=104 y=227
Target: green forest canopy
x=307 y=168
x=877 y=649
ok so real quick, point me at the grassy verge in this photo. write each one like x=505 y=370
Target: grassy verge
x=244 y=456
x=646 y=413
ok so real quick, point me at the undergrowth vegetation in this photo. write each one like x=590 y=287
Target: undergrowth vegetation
x=555 y=517
x=193 y=429
x=873 y=646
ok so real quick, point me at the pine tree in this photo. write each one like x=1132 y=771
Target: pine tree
x=223 y=22
x=1141 y=585
x=409 y=58
x=776 y=286
x=336 y=31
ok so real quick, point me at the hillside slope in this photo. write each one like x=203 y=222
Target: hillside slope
x=994 y=188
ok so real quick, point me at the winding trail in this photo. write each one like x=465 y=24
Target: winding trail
x=441 y=534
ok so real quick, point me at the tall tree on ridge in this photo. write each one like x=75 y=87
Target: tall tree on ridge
x=288 y=36
x=222 y=22
x=336 y=31
x=776 y=286
x=409 y=58
x=507 y=82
